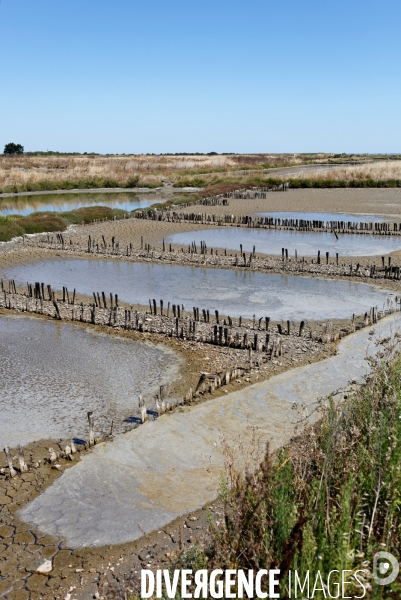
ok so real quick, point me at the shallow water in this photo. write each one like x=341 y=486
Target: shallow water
x=322 y=216
x=172 y=466
x=52 y=374
x=233 y=293
x=25 y=205
x=306 y=243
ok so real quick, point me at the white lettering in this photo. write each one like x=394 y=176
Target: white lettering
x=258 y=590
x=201 y=583
x=320 y=589
x=158 y=583
x=229 y=583
x=147 y=591
x=219 y=592
x=185 y=582
x=334 y=584
x=360 y=582
x=344 y=582
x=245 y=584
x=171 y=588
x=301 y=587
x=273 y=582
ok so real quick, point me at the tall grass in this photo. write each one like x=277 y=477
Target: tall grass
x=330 y=500
x=52 y=172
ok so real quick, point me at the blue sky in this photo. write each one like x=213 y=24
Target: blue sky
x=155 y=76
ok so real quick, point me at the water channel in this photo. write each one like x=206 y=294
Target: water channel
x=26 y=205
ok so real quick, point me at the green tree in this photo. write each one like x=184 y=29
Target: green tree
x=13 y=149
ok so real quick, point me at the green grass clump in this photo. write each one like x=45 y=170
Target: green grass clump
x=195 y=182
x=88 y=214
x=9 y=229
x=39 y=222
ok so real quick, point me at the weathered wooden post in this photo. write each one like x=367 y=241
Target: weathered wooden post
x=142 y=406
x=327 y=258
x=91 y=422
x=22 y=464
x=301 y=328
x=7 y=452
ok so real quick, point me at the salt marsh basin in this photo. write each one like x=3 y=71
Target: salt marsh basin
x=52 y=374
x=148 y=477
x=232 y=292
x=271 y=241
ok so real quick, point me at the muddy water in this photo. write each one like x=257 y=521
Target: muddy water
x=51 y=374
x=171 y=466
x=271 y=241
x=25 y=205
x=231 y=292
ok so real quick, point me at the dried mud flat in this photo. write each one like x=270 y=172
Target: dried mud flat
x=81 y=572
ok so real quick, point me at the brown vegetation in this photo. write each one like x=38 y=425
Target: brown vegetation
x=25 y=172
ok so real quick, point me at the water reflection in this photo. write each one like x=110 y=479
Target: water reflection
x=271 y=241
x=25 y=205
x=232 y=292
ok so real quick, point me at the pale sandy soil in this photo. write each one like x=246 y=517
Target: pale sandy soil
x=374 y=201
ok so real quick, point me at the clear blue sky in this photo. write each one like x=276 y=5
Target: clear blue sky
x=137 y=76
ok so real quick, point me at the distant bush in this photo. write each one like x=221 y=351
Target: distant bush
x=13 y=149
x=195 y=182
x=132 y=182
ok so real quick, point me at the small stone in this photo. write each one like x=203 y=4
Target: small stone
x=45 y=568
